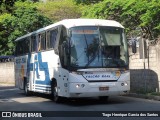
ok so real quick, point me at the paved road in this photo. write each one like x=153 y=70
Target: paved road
x=12 y=99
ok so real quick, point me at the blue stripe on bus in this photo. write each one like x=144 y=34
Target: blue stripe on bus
x=37 y=66
x=43 y=66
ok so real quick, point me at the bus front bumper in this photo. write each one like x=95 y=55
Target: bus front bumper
x=98 y=89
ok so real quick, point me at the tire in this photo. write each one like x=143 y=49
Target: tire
x=26 y=91
x=54 y=92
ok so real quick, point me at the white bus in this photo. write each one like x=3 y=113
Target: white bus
x=70 y=59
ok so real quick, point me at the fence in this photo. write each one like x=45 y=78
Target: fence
x=7 y=73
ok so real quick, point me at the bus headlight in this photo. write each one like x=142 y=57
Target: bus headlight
x=77 y=86
x=124 y=84
x=80 y=85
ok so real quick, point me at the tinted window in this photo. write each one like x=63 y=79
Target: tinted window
x=26 y=45
x=51 y=38
x=43 y=41
x=19 y=48
x=48 y=39
x=33 y=44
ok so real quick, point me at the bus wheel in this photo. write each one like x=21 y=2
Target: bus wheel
x=103 y=98
x=55 y=96
x=26 y=91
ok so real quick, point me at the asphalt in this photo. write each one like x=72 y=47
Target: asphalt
x=144 y=96
x=6 y=86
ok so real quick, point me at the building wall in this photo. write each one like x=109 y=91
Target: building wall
x=7 y=73
x=145 y=73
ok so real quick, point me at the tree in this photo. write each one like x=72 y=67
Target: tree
x=60 y=9
x=24 y=19
x=133 y=14
x=86 y=1
x=7 y=5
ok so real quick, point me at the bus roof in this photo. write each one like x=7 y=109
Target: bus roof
x=68 y=23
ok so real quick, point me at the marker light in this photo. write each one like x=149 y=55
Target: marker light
x=118 y=73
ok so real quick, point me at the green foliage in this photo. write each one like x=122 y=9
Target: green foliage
x=60 y=9
x=5 y=20
x=29 y=16
x=133 y=14
x=24 y=19
x=18 y=17
x=86 y=1
x=7 y=5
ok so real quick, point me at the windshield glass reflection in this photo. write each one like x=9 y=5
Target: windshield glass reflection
x=97 y=47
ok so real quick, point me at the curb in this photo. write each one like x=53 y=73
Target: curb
x=151 y=97
x=6 y=84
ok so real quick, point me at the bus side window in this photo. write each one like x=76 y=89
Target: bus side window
x=48 y=40
x=53 y=36
x=26 y=46
x=39 y=42
x=43 y=41
x=33 y=43
x=20 y=47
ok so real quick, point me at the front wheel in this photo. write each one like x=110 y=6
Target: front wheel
x=103 y=98
x=54 y=93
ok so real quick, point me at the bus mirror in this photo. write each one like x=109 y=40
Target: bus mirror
x=134 y=50
x=65 y=48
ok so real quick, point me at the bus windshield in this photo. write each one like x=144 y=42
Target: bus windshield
x=98 y=46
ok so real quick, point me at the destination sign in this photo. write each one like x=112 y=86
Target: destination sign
x=101 y=76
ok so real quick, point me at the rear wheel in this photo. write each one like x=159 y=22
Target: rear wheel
x=54 y=93
x=26 y=91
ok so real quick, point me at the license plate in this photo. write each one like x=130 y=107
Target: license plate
x=103 y=88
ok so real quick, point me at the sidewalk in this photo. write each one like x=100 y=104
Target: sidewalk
x=6 y=86
x=144 y=96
